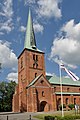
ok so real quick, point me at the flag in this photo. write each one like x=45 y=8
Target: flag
x=70 y=73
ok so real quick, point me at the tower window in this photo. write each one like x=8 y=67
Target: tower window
x=36 y=65
x=36 y=57
x=21 y=62
x=33 y=56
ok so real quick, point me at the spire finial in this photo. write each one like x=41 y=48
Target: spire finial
x=30 y=41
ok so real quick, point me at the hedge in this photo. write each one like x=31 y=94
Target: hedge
x=62 y=118
x=49 y=118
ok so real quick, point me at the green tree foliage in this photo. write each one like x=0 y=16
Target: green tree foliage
x=71 y=106
x=6 y=95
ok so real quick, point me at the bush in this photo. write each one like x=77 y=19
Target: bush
x=71 y=106
x=49 y=118
x=68 y=117
x=62 y=118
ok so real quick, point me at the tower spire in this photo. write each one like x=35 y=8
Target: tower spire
x=30 y=41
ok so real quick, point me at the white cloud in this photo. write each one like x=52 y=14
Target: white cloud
x=7 y=26
x=1 y=33
x=7 y=8
x=49 y=8
x=72 y=30
x=50 y=74
x=30 y=1
x=44 y=10
x=22 y=28
x=38 y=27
x=12 y=77
x=68 y=46
x=6 y=14
x=7 y=56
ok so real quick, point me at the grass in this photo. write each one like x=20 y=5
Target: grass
x=57 y=113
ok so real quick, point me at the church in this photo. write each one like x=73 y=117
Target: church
x=35 y=91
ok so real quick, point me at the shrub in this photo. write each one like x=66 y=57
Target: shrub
x=62 y=118
x=71 y=106
x=49 y=118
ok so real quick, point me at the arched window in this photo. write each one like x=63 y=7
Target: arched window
x=54 y=89
x=42 y=93
x=41 y=81
x=35 y=75
x=74 y=100
x=66 y=101
x=68 y=89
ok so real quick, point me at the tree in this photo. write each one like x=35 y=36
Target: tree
x=6 y=95
x=2 y=95
x=71 y=106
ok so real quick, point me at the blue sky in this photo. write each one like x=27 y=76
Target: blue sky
x=57 y=30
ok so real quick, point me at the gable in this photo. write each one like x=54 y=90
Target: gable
x=42 y=82
x=39 y=81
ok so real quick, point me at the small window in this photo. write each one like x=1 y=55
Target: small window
x=74 y=100
x=22 y=62
x=68 y=89
x=36 y=65
x=66 y=101
x=35 y=75
x=54 y=89
x=42 y=93
x=42 y=81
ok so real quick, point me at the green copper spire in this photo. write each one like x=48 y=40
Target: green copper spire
x=30 y=42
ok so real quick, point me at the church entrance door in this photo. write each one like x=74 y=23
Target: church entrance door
x=43 y=105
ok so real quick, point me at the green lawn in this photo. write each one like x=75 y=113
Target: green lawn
x=57 y=113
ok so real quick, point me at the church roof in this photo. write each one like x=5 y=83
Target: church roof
x=65 y=81
x=54 y=80
x=30 y=42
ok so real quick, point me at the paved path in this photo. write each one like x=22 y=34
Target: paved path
x=15 y=116
x=18 y=116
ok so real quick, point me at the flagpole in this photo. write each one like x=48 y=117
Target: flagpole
x=61 y=90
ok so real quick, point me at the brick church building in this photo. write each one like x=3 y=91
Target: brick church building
x=35 y=91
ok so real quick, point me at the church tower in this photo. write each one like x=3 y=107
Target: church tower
x=31 y=60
